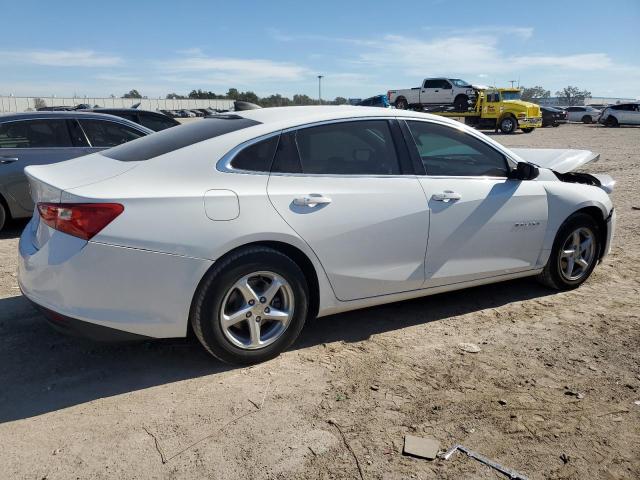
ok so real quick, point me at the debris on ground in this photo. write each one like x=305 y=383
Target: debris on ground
x=482 y=459
x=469 y=347
x=421 y=447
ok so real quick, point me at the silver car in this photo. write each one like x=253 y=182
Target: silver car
x=622 y=114
x=38 y=138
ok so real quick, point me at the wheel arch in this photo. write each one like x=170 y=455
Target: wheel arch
x=597 y=214
x=303 y=261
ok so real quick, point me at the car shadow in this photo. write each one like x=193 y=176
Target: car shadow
x=44 y=371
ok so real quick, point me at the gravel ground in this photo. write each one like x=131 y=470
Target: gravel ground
x=550 y=394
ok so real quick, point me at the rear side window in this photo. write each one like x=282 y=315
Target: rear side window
x=41 y=133
x=156 y=122
x=175 y=138
x=431 y=83
x=348 y=148
x=256 y=157
x=103 y=133
x=446 y=151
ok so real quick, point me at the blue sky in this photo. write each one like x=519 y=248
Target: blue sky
x=361 y=47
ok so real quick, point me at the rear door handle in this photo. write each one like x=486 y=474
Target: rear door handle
x=312 y=200
x=5 y=160
x=446 y=196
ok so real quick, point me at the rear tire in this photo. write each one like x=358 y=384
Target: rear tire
x=564 y=270
x=401 y=104
x=461 y=103
x=219 y=300
x=508 y=125
x=586 y=119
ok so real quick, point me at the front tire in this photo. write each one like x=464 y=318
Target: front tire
x=527 y=130
x=612 y=122
x=575 y=253
x=508 y=124
x=250 y=307
x=461 y=103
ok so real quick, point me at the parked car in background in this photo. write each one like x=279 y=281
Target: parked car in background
x=622 y=114
x=552 y=116
x=584 y=114
x=156 y=121
x=197 y=112
x=246 y=225
x=434 y=91
x=375 y=101
x=39 y=138
x=186 y=114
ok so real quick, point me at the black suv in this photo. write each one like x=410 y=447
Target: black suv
x=153 y=120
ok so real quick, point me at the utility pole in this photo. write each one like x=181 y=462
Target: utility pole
x=512 y=82
x=320 y=77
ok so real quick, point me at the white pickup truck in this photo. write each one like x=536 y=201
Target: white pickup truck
x=434 y=91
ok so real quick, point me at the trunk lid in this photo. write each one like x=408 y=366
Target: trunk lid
x=47 y=182
x=558 y=159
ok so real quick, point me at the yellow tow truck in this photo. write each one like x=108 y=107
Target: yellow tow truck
x=497 y=109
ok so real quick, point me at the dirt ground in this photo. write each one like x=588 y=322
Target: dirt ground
x=552 y=393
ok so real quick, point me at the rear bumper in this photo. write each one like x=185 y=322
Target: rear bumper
x=130 y=290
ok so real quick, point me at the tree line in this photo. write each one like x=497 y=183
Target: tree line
x=567 y=96
x=275 y=100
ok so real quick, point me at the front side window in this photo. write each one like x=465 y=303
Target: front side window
x=103 y=133
x=348 y=148
x=40 y=133
x=446 y=151
x=511 y=95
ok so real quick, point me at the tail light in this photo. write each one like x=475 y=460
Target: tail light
x=82 y=220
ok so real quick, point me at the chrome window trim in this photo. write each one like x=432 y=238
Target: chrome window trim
x=511 y=162
x=224 y=164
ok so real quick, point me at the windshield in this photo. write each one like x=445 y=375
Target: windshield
x=459 y=83
x=510 y=95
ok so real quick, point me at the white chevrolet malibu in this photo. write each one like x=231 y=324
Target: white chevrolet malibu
x=242 y=226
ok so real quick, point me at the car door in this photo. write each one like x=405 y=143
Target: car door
x=482 y=223
x=347 y=191
x=634 y=114
x=430 y=93
x=445 y=92
x=35 y=141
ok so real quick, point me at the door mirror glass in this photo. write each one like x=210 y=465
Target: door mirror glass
x=526 y=171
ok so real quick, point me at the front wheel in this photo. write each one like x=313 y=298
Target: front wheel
x=461 y=103
x=508 y=125
x=527 y=130
x=612 y=122
x=251 y=307
x=575 y=253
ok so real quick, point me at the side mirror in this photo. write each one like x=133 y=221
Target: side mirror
x=525 y=171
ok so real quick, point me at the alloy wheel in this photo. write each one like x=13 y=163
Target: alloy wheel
x=257 y=310
x=577 y=254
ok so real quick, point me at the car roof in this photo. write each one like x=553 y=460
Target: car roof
x=289 y=117
x=8 y=117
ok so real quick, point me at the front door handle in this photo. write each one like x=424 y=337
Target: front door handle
x=446 y=196
x=312 y=200
x=5 y=160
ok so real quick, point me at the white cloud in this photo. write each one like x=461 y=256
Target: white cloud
x=237 y=69
x=61 y=58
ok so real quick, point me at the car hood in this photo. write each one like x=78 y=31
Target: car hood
x=558 y=159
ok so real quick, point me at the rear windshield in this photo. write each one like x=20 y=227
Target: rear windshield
x=177 y=137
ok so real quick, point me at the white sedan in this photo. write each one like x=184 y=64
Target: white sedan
x=244 y=225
